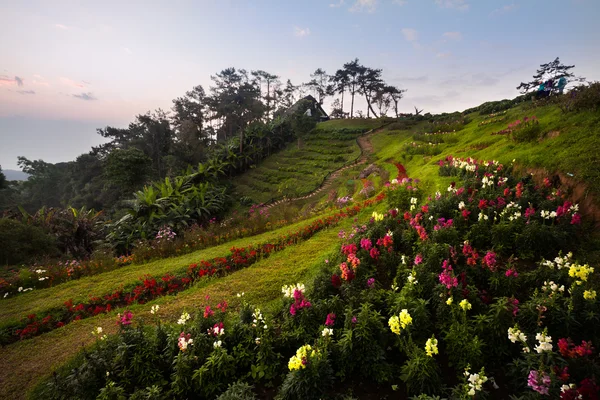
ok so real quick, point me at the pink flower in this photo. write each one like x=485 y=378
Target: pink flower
x=371 y=282
x=447 y=277
x=366 y=244
x=330 y=319
x=489 y=260
x=511 y=272
x=418 y=259
x=529 y=212
x=576 y=219
x=126 y=318
x=208 y=312
x=374 y=253
x=540 y=382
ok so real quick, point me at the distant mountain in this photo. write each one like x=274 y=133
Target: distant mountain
x=14 y=175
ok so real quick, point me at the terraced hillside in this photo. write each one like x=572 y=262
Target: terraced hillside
x=301 y=167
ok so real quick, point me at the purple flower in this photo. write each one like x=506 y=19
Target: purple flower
x=371 y=282
x=330 y=319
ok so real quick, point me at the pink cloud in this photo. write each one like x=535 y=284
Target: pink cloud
x=72 y=83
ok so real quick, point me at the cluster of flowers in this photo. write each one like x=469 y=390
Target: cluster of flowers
x=297 y=294
x=304 y=355
x=491 y=121
x=165 y=234
x=48 y=275
x=152 y=287
x=515 y=125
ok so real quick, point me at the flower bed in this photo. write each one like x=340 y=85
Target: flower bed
x=478 y=292
x=152 y=287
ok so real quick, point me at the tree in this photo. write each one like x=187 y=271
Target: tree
x=320 y=84
x=552 y=70
x=395 y=95
x=3 y=181
x=336 y=109
x=353 y=70
x=370 y=82
x=235 y=102
x=288 y=97
x=269 y=79
x=382 y=101
x=340 y=83
x=127 y=169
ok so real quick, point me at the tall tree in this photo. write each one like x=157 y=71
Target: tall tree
x=395 y=95
x=353 y=70
x=320 y=84
x=382 y=101
x=289 y=94
x=552 y=70
x=340 y=83
x=370 y=82
x=270 y=80
x=235 y=101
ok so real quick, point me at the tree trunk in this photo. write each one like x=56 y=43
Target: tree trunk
x=370 y=107
x=352 y=106
x=342 y=104
x=396 y=107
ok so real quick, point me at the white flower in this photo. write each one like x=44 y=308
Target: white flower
x=6 y=295
x=545 y=342
x=394 y=181
x=240 y=294
x=413 y=200
x=412 y=278
x=257 y=340
x=184 y=318
x=217 y=344
x=288 y=290
x=461 y=205
x=553 y=214
x=20 y=288
x=154 y=309
x=327 y=332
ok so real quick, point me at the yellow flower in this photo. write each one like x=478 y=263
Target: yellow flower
x=405 y=318
x=449 y=301
x=394 y=324
x=589 y=294
x=431 y=346
x=377 y=216
x=580 y=272
x=465 y=305
x=301 y=358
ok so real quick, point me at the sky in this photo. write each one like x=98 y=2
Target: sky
x=70 y=67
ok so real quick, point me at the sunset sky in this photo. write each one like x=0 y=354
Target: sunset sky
x=69 y=67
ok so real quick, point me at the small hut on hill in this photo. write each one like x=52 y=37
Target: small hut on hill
x=309 y=106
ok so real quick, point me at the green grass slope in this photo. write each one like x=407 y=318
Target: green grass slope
x=301 y=167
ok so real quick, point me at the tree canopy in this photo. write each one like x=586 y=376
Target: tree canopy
x=552 y=70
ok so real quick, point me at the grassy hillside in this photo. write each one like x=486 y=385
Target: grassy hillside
x=302 y=166
x=567 y=144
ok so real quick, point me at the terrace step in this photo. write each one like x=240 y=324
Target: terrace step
x=365 y=149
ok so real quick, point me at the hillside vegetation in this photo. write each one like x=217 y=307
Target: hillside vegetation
x=428 y=276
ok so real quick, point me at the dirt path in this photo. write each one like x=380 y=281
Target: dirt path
x=366 y=148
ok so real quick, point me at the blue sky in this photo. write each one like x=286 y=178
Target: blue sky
x=68 y=67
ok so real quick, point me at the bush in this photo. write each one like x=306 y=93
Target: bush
x=238 y=391
x=586 y=97
x=528 y=131
x=20 y=242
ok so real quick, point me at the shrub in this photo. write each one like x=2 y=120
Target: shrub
x=238 y=391
x=582 y=98
x=20 y=242
x=527 y=131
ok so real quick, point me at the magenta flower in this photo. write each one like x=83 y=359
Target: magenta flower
x=366 y=244
x=126 y=318
x=371 y=282
x=330 y=319
x=540 y=382
x=418 y=259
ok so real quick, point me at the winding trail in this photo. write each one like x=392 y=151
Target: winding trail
x=366 y=148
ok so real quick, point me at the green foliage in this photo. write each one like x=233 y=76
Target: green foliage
x=421 y=373
x=20 y=242
x=527 y=131
x=238 y=391
x=127 y=168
